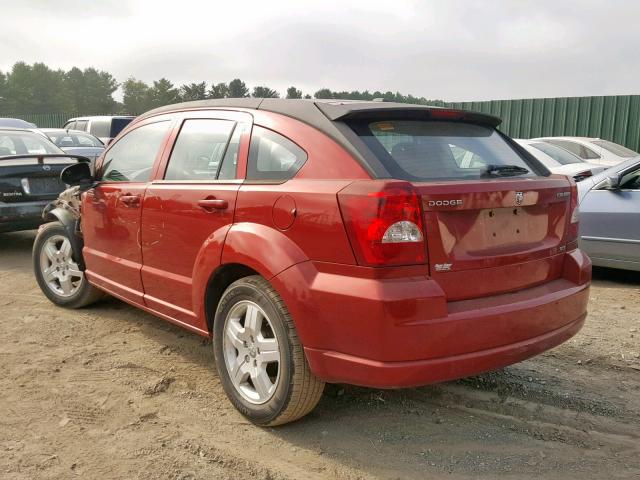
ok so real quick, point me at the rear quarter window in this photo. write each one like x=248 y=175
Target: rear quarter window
x=423 y=150
x=273 y=157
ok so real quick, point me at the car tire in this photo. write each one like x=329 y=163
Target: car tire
x=252 y=315
x=57 y=272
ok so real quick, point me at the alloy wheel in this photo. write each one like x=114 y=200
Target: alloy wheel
x=251 y=352
x=60 y=273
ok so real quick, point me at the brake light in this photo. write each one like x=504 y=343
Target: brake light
x=384 y=223
x=574 y=219
x=445 y=114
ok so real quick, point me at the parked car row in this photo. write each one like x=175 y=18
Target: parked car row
x=559 y=160
x=29 y=183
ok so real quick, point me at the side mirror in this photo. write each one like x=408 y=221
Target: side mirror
x=612 y=183
x=77 y=174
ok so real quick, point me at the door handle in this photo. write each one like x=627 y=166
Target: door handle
x=130 y=200
x=211 y=204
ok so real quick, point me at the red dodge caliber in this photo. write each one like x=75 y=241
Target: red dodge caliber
x=370 y=243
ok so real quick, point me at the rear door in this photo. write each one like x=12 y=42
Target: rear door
x=610 y=222
x=111 y=211
x=188 y=209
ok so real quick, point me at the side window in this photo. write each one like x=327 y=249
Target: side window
x=199 y=149
x=7 y=146
x=81 y=125
x=131 y=158
x=631 y=180
x=70 y=125
x=100 y=127
x=272 y=156
x=575 y=148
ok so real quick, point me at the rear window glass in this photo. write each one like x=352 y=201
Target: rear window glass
x=73 y=139
x=23 y=143
x=616 y=149
x=419 y=150
x=558 y=154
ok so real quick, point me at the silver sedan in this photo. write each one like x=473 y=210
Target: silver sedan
x=610 y=216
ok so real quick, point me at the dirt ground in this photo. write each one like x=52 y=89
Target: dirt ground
x=111 y=392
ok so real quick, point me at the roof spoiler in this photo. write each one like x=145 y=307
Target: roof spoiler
x=378 y=110
x=42 y=156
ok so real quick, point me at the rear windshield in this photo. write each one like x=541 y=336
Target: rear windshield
x=423 y=150
x=616 y=149
x=64 y=138
x=23 y=143
x=560 y=155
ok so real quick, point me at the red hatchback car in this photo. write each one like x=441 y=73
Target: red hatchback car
x=370 y=243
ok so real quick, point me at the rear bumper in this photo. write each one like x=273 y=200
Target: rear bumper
x=21 y=215
x=400 y=332
x=361 y=371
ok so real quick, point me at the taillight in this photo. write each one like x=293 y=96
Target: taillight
x=384 y=223
x=574 y=219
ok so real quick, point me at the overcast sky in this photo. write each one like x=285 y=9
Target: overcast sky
x=447 y=49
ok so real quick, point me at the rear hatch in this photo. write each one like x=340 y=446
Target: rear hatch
x=494 y=219
x=28 y=180
x=494 y=236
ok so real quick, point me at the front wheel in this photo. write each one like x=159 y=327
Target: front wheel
x=57 y=272
x=259 y=357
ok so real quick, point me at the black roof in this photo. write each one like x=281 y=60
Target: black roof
x=308 y=110
x=325 y=115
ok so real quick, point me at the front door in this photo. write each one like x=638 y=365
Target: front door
x=188 y=210
x=111 y=211
x=610 y=223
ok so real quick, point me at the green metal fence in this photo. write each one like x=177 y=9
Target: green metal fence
x=44 y=120
x=615 y=118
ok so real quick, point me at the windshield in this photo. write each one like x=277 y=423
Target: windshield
x=423 y=150
x=616 y=149
x=560 y=155
x=23 y=143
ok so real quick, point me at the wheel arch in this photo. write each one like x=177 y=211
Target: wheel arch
x=249 y=249
x=219 y=281
x=71 y=226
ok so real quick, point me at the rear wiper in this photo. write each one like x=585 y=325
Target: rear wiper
x=502 y=171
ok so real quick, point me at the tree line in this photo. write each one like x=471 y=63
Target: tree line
x=39 y=89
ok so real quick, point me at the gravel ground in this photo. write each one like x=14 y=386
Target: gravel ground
x=111 y=392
